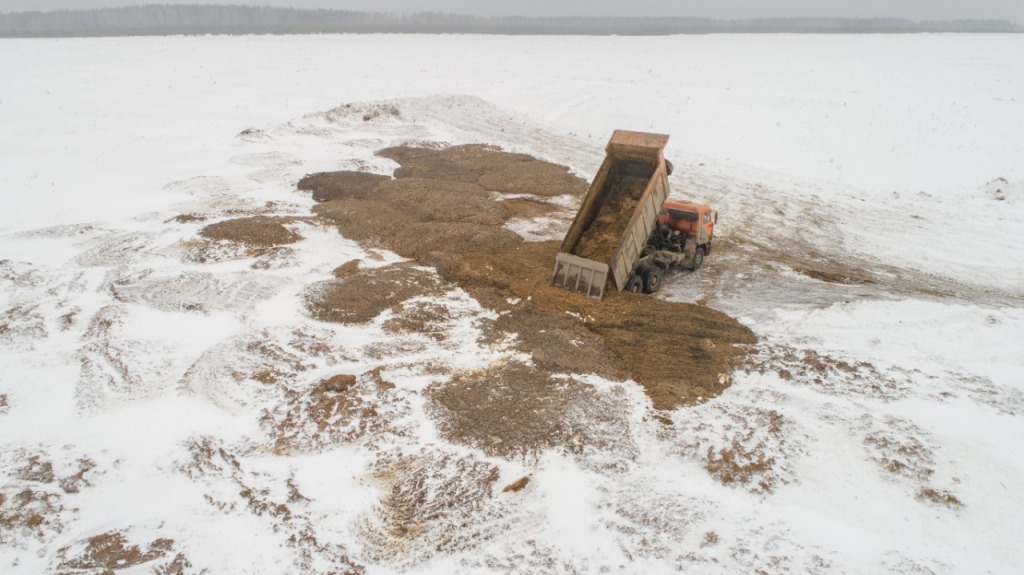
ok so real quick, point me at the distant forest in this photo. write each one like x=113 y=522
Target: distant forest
x=162 y=19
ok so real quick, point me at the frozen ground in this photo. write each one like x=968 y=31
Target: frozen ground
x=155 y=406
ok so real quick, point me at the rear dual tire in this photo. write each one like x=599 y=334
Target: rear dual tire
x=635 y=284
x=652 y=280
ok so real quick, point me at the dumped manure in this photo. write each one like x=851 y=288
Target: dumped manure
x=327 y=186
x=448 y=207
x=255 y=231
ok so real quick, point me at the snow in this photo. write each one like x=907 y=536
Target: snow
x=899 y=156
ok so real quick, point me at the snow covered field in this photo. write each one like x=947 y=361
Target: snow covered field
x=870 y=190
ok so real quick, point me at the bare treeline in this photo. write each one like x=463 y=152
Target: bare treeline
x=152 y=20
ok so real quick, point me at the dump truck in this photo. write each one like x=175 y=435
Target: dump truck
x=627 y=228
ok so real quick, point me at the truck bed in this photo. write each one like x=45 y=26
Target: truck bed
x=601 y=239
x=616 y=217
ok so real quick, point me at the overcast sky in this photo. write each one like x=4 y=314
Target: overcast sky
x=1012 y=10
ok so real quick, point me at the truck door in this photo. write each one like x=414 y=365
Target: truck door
x=708 y=223
x=703 y=228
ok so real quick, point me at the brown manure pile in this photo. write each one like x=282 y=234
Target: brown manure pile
x=445 y=209
x=255 y=231
x=327 y=186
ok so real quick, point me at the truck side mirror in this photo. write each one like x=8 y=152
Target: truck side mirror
x=715 y=213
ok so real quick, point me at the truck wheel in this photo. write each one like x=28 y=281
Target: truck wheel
x=652 y=280
x=635 y=284
x=698 y=259
x=669 y=168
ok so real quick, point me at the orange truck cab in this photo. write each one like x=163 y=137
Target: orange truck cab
x=685 y=227
x=690 y=219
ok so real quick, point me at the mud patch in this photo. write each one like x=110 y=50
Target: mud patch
x=112 y=551
x=205 y=251
x=528 y=208
x=455 y=163
x=362 y=297
x=420 y=316
x=349 y=268
x=533 y=177
x=419 y=217
x=834 y=274
x=336 y=410
x=328 y=186
x=255 y=231
x=556 y=342
x=29 y=512
x=514 y=410
x=743 y=446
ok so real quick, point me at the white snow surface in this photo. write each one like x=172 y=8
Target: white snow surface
x=121 y=405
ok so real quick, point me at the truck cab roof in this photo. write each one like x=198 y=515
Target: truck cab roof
x=685 y=206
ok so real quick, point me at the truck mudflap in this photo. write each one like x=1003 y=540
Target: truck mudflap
x=581 y=275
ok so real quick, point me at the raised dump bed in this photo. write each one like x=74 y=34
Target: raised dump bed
x=617 y=215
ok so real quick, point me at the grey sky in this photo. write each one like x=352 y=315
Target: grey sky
x=1012 y=10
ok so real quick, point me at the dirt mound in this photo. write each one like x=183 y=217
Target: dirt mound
x=327 y=186
x=256 y=231
x=339 y=409
x=456 y=163
x=680 y=353
x=516 y=410
x=392 y=221
x=534 y=177
x=525 y=208
x=507 y=409
x=363 y=296
x=554 y=340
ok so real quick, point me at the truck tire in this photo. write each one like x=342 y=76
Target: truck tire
x=668 y=168
x=635 y=284
x=652 y=279
x=698 y=259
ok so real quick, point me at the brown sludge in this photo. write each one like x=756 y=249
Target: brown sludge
x=255 y=231
x=327 y=186
x=442 y=210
